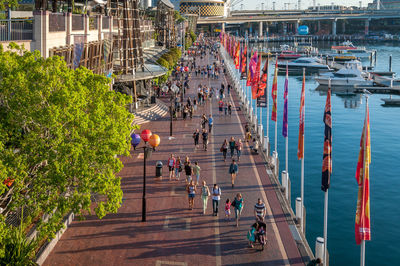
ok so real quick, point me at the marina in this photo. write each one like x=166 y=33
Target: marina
x=347 y=103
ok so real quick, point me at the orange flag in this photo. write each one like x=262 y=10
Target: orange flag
x=363 y=218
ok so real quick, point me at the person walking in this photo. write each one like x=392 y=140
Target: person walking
x=229 y=87
x=227 y=209
x=205 y=193
x=224 y=149
x=216 y=197
x=203 y=121
x=220 y=106
x=233 y=170
x=238 y=207
x=239 y=147
x=178 y=167
x=196 y=171
x=259 y=210
x=196 y=136
x=188 y=172
x=171 y=166
x=232 y=144
x=210 y=123
x=191 y=189
x=230 y=109
x=205 y=139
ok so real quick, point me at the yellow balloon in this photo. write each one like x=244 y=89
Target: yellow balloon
x=154 y=140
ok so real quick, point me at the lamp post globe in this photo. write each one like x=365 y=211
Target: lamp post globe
x=154 y=140
x=135 y=140
x=145 y=135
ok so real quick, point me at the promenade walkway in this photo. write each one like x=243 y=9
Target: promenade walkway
x=173 y=234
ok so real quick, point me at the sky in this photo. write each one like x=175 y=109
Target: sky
x=256 y=4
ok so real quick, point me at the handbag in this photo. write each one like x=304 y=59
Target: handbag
x=233 y=203
x=221 y=149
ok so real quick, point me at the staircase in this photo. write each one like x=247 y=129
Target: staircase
x=155 y=112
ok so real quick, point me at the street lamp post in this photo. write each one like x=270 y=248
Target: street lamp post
x=154 y=141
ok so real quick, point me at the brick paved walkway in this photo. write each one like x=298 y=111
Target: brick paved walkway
x=173 y=234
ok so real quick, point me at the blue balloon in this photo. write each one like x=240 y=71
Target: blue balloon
x=135 y=139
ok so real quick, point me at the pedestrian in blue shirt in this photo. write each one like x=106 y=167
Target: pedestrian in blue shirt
x=210 y=123
x=233 y=170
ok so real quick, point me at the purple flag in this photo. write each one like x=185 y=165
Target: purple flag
x=285 y=105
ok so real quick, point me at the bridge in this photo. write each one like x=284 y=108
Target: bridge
x=298 y=16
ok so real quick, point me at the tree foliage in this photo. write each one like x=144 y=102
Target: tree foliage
x=8 y=3
x=60 y=132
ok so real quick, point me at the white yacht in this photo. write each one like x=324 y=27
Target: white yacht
x=349 y=76
x=310 y=64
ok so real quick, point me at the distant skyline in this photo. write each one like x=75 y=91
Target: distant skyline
x=256 y=4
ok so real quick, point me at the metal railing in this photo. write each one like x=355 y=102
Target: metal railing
x=56 y=22
x=16 y=29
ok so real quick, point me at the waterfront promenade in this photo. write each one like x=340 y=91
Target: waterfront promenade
x=173 y=234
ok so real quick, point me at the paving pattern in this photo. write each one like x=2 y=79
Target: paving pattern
x=173 y=234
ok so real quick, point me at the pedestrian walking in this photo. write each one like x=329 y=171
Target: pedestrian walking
x=259 y=210
x=230 y=109
x=224 y=149
x=225 y=108
x=178 y=167
x=229 y=87
x=232 y=144
x=196 y=171
x=237 y=203
x=171 y=166
x=233 y=170
x=239 y=147
x=205 y=139
x=210 y=123
x=220 y=107
x=188 y=172
x=227 y=209
x=191 y=189
x=205 y=193
x=204 y=121
x=247 y=132
x=196 y=136
x=216 y=197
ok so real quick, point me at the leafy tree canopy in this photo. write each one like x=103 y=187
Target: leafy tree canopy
x=60 y=132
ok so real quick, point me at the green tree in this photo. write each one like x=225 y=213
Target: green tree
x=60 y=132
x=8 y=3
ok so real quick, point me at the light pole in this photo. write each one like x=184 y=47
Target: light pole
x=154 y=141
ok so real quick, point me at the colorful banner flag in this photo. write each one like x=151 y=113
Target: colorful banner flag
x=248 y=82
x=256 y=80
x=285 y=105
x=244 y=63
x=79 y=45
x=237 y=54
x=264 y=76
x=327 y=156
x=362 y=223
x=274 y=92
x=300 y=147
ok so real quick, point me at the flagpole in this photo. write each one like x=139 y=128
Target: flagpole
x=362 y=259
x=302 y=162
x=325 y=225
x=326 y=209
x=267 y=93
x=276 y=123
x=287 y=125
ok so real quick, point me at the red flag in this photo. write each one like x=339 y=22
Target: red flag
x=237 y=54
x=300 y=147
x=244 y=63
x=248 y=82
x=264 y=77
x=253 y=72
x=274 y=92
x=327 y=155
x=256 y=81
x=363 y=218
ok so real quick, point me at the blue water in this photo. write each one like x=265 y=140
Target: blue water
x=383 y=249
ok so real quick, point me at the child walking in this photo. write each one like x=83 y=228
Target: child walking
x=228 y=209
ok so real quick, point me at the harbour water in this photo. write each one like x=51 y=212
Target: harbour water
x=348 y=117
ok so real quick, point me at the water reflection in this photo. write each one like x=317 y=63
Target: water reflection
x=350 y=99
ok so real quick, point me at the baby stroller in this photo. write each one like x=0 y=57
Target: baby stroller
x=261 y=233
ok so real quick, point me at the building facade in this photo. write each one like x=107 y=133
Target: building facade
x=203 y=8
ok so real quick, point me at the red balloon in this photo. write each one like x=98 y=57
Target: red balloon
x=145 y=135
